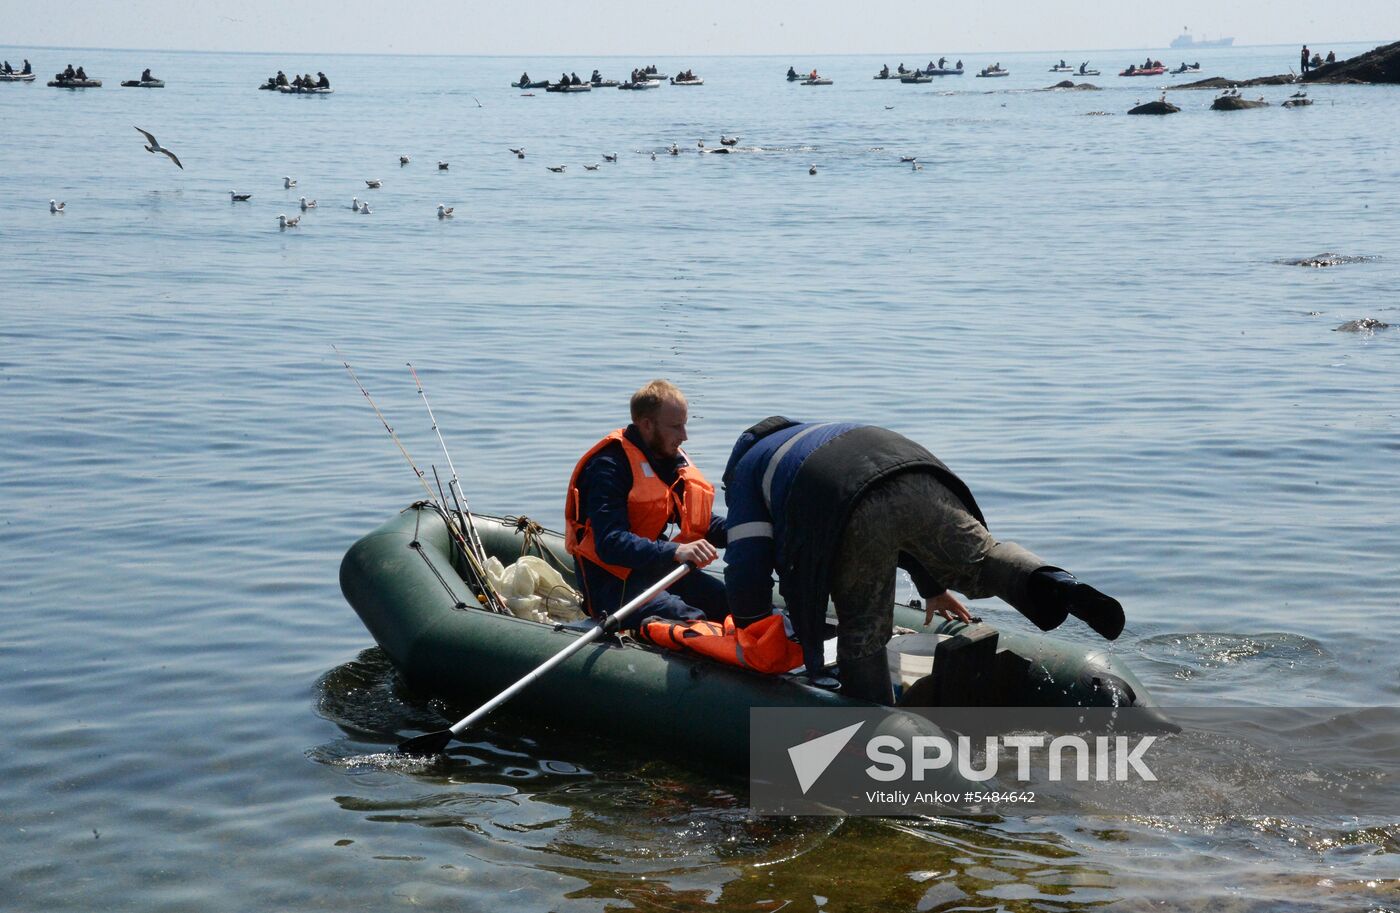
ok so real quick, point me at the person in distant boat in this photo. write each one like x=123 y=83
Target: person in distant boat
x=941 y=62
x=959 y=66
x=322 y=82
x=885 y=71
x=146 y=75
x=1305 y=59
x=296 y=83
x=68 y=72
x=596 y=77
x=6 y=68
x=1316 y=61
x=901 y=71
x=792 y=74
x=625 y=493
x=524 y=79
x=281 y=78
x=1082 y=67
x=81 y=74
x=1063 y=65
x=574 y=80
x=813 y=74
x=835 y=508
x=27 y=68
x=929 y=67
x=564 y=79
x=1331 y=58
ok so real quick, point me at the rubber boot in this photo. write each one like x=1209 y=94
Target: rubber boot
x=868 y=679
x=1051 y=586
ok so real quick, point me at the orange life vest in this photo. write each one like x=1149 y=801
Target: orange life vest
x=767 y=645
x=651 y=504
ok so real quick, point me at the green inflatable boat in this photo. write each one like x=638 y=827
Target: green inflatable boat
x=403 y=580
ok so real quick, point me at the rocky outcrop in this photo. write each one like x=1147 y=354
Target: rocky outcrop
x=1077 y=87
x=1220 y=82
x=1325 y=260
x=1381 y=65
x=1156 y=107
x=1236 y=103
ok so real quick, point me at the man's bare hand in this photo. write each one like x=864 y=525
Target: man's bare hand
x=947 y=605
x=698 y=553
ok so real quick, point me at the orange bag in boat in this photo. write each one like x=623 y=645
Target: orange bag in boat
x=767 y=645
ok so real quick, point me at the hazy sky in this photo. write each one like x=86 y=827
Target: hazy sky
x=675 y=27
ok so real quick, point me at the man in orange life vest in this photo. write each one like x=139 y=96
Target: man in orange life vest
x=625 y=493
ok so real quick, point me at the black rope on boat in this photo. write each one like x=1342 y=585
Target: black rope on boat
x=533 y=533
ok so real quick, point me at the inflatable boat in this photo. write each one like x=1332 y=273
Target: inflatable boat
x=644 y=84
x=144 y=84
x=913 y=78
x=404 y=582
x=304 y=90
x=75 y=83
x=571 y=87
x=697 y=81
x=604 y=83
x=991 y=74
x=16 y=77
x=819 y=81
x=1140 y=71
x=534 y=84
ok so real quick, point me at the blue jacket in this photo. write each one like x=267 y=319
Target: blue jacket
x=604 y=485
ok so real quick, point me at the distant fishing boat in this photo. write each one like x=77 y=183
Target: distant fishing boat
x=1187 y=40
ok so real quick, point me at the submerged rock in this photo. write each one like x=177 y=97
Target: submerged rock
x=1297 y=102
x=1322 y=260
x=1380 y=64
x=1236 y=103
x=1156 y=107
x=1078 y=87
x=1364 y=325
x=1220 y=82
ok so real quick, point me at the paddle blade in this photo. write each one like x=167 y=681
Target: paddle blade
x=429 y=744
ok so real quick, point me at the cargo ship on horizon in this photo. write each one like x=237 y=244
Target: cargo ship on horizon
x=1187 y=40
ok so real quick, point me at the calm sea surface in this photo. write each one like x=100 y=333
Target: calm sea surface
x=1085 y=316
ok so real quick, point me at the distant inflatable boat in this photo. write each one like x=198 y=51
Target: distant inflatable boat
x=144 y=84
x=992 y=74
x=581 y=87
x=75 y=83
x=304 y=90
x=538 y=84
x=1140 y=71
x=16 y=77
x=819 y=81
x=697 y=81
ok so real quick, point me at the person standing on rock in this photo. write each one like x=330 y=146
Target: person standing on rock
x=1306 y=61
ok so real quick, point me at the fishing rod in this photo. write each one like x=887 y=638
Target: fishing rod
x=454 y=484
x=493 y=598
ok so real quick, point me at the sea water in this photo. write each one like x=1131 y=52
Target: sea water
x=1083 y=313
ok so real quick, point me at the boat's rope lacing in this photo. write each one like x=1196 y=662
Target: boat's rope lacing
x=417 y=546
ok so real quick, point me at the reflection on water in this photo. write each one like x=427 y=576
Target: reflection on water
x=656 y=836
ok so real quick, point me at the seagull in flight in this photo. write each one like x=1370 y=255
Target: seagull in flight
x=152 y=145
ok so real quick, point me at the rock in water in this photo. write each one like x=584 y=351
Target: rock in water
x=1322 y=260
x=1078 y=87
x=1236 y=103
x=1364 y=325
x=1156 y=107
x=1297 y=102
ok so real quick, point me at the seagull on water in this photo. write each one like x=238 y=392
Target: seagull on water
x=519 y=152
x=444 y=212
x=288 y=183
x=700 y=144
x=728 y=140
x=442 y=166
x=908 y=158
x=375 y=184
x=307 y=204
x=364 y=209
x=675 y=150
x=812 y=169
x=285 y=223
x=236 y=197
x=918 y=167
x=653 y=156
x=403 y=160
x=610 y=158
x=590 y=167
x=153 y=146
x=889 y=107
x=354 y=204
x=55 y=206
x=557 y=169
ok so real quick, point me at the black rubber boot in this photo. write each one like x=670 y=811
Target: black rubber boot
x=1051 y=586
x=868 y=679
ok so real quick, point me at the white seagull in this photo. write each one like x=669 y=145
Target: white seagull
x=153 y=146
x=307 y=204
x=236 y=197
x=557 y=169
x=55 y=206
x=403 y=160
x=288 y=183
x=355 y=204
x=285 y=223
x=444 y=212
x=364 y=209
x=375 y=184
x=728 y=140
